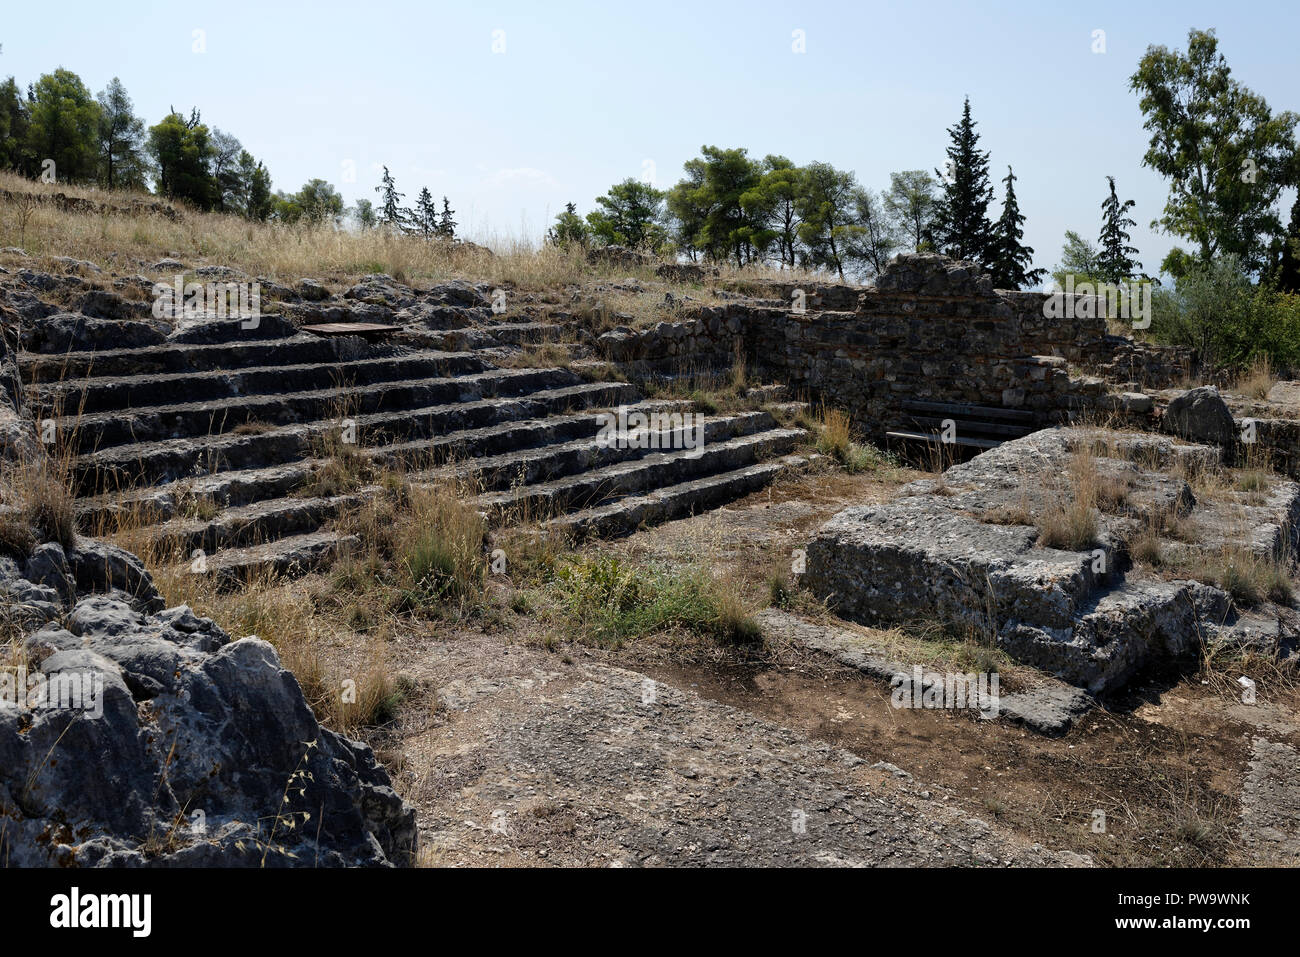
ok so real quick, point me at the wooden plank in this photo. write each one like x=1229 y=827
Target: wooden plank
x=972 y=411
x=932 y=438
x=979 y=428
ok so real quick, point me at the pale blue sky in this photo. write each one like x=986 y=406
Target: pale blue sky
x=586 y=94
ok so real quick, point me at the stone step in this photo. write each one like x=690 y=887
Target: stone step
x=267 y=520
x=286 y=557
x=249 y=525
x=102 y=430
x=588 y=451
x=487 y=337
x=972 y=427
x=626 y=515
x=264 y=521
x=98 y=514
x=966 y=410
x=660 y=469
x=89 y=395
x=550 y=462
x=238 y=487
x=125 y=466
x=172 y=357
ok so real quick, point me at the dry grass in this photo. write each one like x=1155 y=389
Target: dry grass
x=834 y=436
x=546 y=355
x=37 y=502
x=1250 y=578
x=286 y=253
x=1257 y=380
x=1074 y=524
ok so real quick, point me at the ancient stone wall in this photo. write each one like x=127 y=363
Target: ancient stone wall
x=929 y=329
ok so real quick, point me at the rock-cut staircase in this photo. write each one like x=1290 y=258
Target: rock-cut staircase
x=225 y=446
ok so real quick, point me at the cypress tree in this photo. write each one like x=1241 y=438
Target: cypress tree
x=426 y=214
x=447 y=225
x=1115 y=261
x=391 y=214
x=961 y=226
x=1288 y=277
x=1009 y=258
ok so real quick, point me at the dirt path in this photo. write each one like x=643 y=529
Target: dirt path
x=530 y=760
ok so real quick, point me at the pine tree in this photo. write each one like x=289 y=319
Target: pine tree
x=426 y=214
x=1008 y=256
x=961 y=226
x=392 y=215
x=1115 y=262
x=447 y=225
x=121 y=140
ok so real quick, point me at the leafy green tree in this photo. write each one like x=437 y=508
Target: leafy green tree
x=1078 y=259
x=447 y=225
x=15 y=152
x=425 y=220
x=392 y=215
x=630 y=214
x=364 y=215
x=910 y=204
x=570 y=229
x=122 y=163
x=687 y=203
x=182 y=152
x=1225 y=154
x=285 y=208
x=226 y=171
x=828 y=208
x=1115 y=262
x=708 y=205
x=320 y=202
x=961 y=226
x=254 y=199
x=1009 y=258
x=64 y=126
x=774 y=208
x=873 y=241
x=1215 y=309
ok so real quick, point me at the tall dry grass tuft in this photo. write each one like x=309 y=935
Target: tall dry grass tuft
x=1258 y=380
x=835 y=437
x=1073 y=523
x=38 y=499
x=440 y=548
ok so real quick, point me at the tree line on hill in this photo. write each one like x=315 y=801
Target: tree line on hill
x=58 y=132
x=731 y=207
x=1227 y=157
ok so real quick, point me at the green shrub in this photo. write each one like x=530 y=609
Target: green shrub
x=1230 y=322
x=610 y=602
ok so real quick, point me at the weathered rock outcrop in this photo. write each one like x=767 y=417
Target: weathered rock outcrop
x=137 y=737
x=964 y=552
